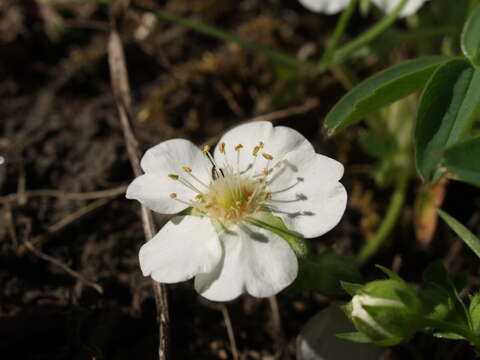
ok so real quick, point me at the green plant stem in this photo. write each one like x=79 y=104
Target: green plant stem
x=367 y=36
x=452 y=328
x=394 y=209
x=337 y=34
x=225 y=36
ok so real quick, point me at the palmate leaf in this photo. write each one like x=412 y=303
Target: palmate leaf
x=381 y=89
x=471 y=37
x=466 y=235
x=445 y=113
x=462 y=160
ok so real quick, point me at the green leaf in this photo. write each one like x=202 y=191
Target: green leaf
x=474 y=310
x=357 y=337
x=440 y=297
x=381 y=89
x=471 y=37
x=445 y=114
x=448 y=335
x=351 y=288
x=325 y=272
x=470 y=239
x=462 y=161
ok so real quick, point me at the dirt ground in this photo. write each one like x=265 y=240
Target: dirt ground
x=61 y=140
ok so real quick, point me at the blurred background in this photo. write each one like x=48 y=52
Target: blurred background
x=70 y=284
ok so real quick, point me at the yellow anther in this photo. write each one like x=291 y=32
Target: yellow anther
x=173 y=195
x=255 y=151
x=187 y=169
x=267 y=196
x=267 y=156
x=238 y=147
x=206 y=149
x=199 y=197
x=266 y=172
x=173 y=176
x=222 y=148
x=261 y=145
x=261 y=180
x=238 y=203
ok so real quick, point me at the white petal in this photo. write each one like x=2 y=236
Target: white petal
x=154 y=191
x=256 y=261
x=184 y=247
x=410 y=8
x=318 y=340
x=169 y=157
x=278 y=141
x=306 y=193
x=325 y=6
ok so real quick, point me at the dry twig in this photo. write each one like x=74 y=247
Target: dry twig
x=230 y=332
x=65 y=195
x=121 y=90
x=278 y=333
x=65 y=222
x=63 y=266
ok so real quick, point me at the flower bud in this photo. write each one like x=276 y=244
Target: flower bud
x=386 y=311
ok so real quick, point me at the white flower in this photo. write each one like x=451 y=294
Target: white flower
x=335 y=6
x=255 y=169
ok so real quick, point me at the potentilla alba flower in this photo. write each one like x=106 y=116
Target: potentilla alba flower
x=224 y=241
x=335 y=6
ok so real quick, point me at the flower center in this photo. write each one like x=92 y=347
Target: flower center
x=232 y=195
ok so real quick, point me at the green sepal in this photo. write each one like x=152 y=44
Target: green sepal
x=389 y=273
x=357 y=337
x=352 y=289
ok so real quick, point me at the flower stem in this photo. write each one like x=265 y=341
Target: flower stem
x=394 y=209
x=225 y=36
x=337 y=34
x=367 y=36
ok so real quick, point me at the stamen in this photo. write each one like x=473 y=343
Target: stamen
x=206 y=152
x=189 y=172
x=261 y=144
x=267 y=196
x=267 y=156
x=174 y=197
x=222 y=148
x=237 y=149
x=199 y=197
x=255 y=151
x=185 y=182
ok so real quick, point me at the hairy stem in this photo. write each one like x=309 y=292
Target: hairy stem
x=393 y=212
x=369 y=35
